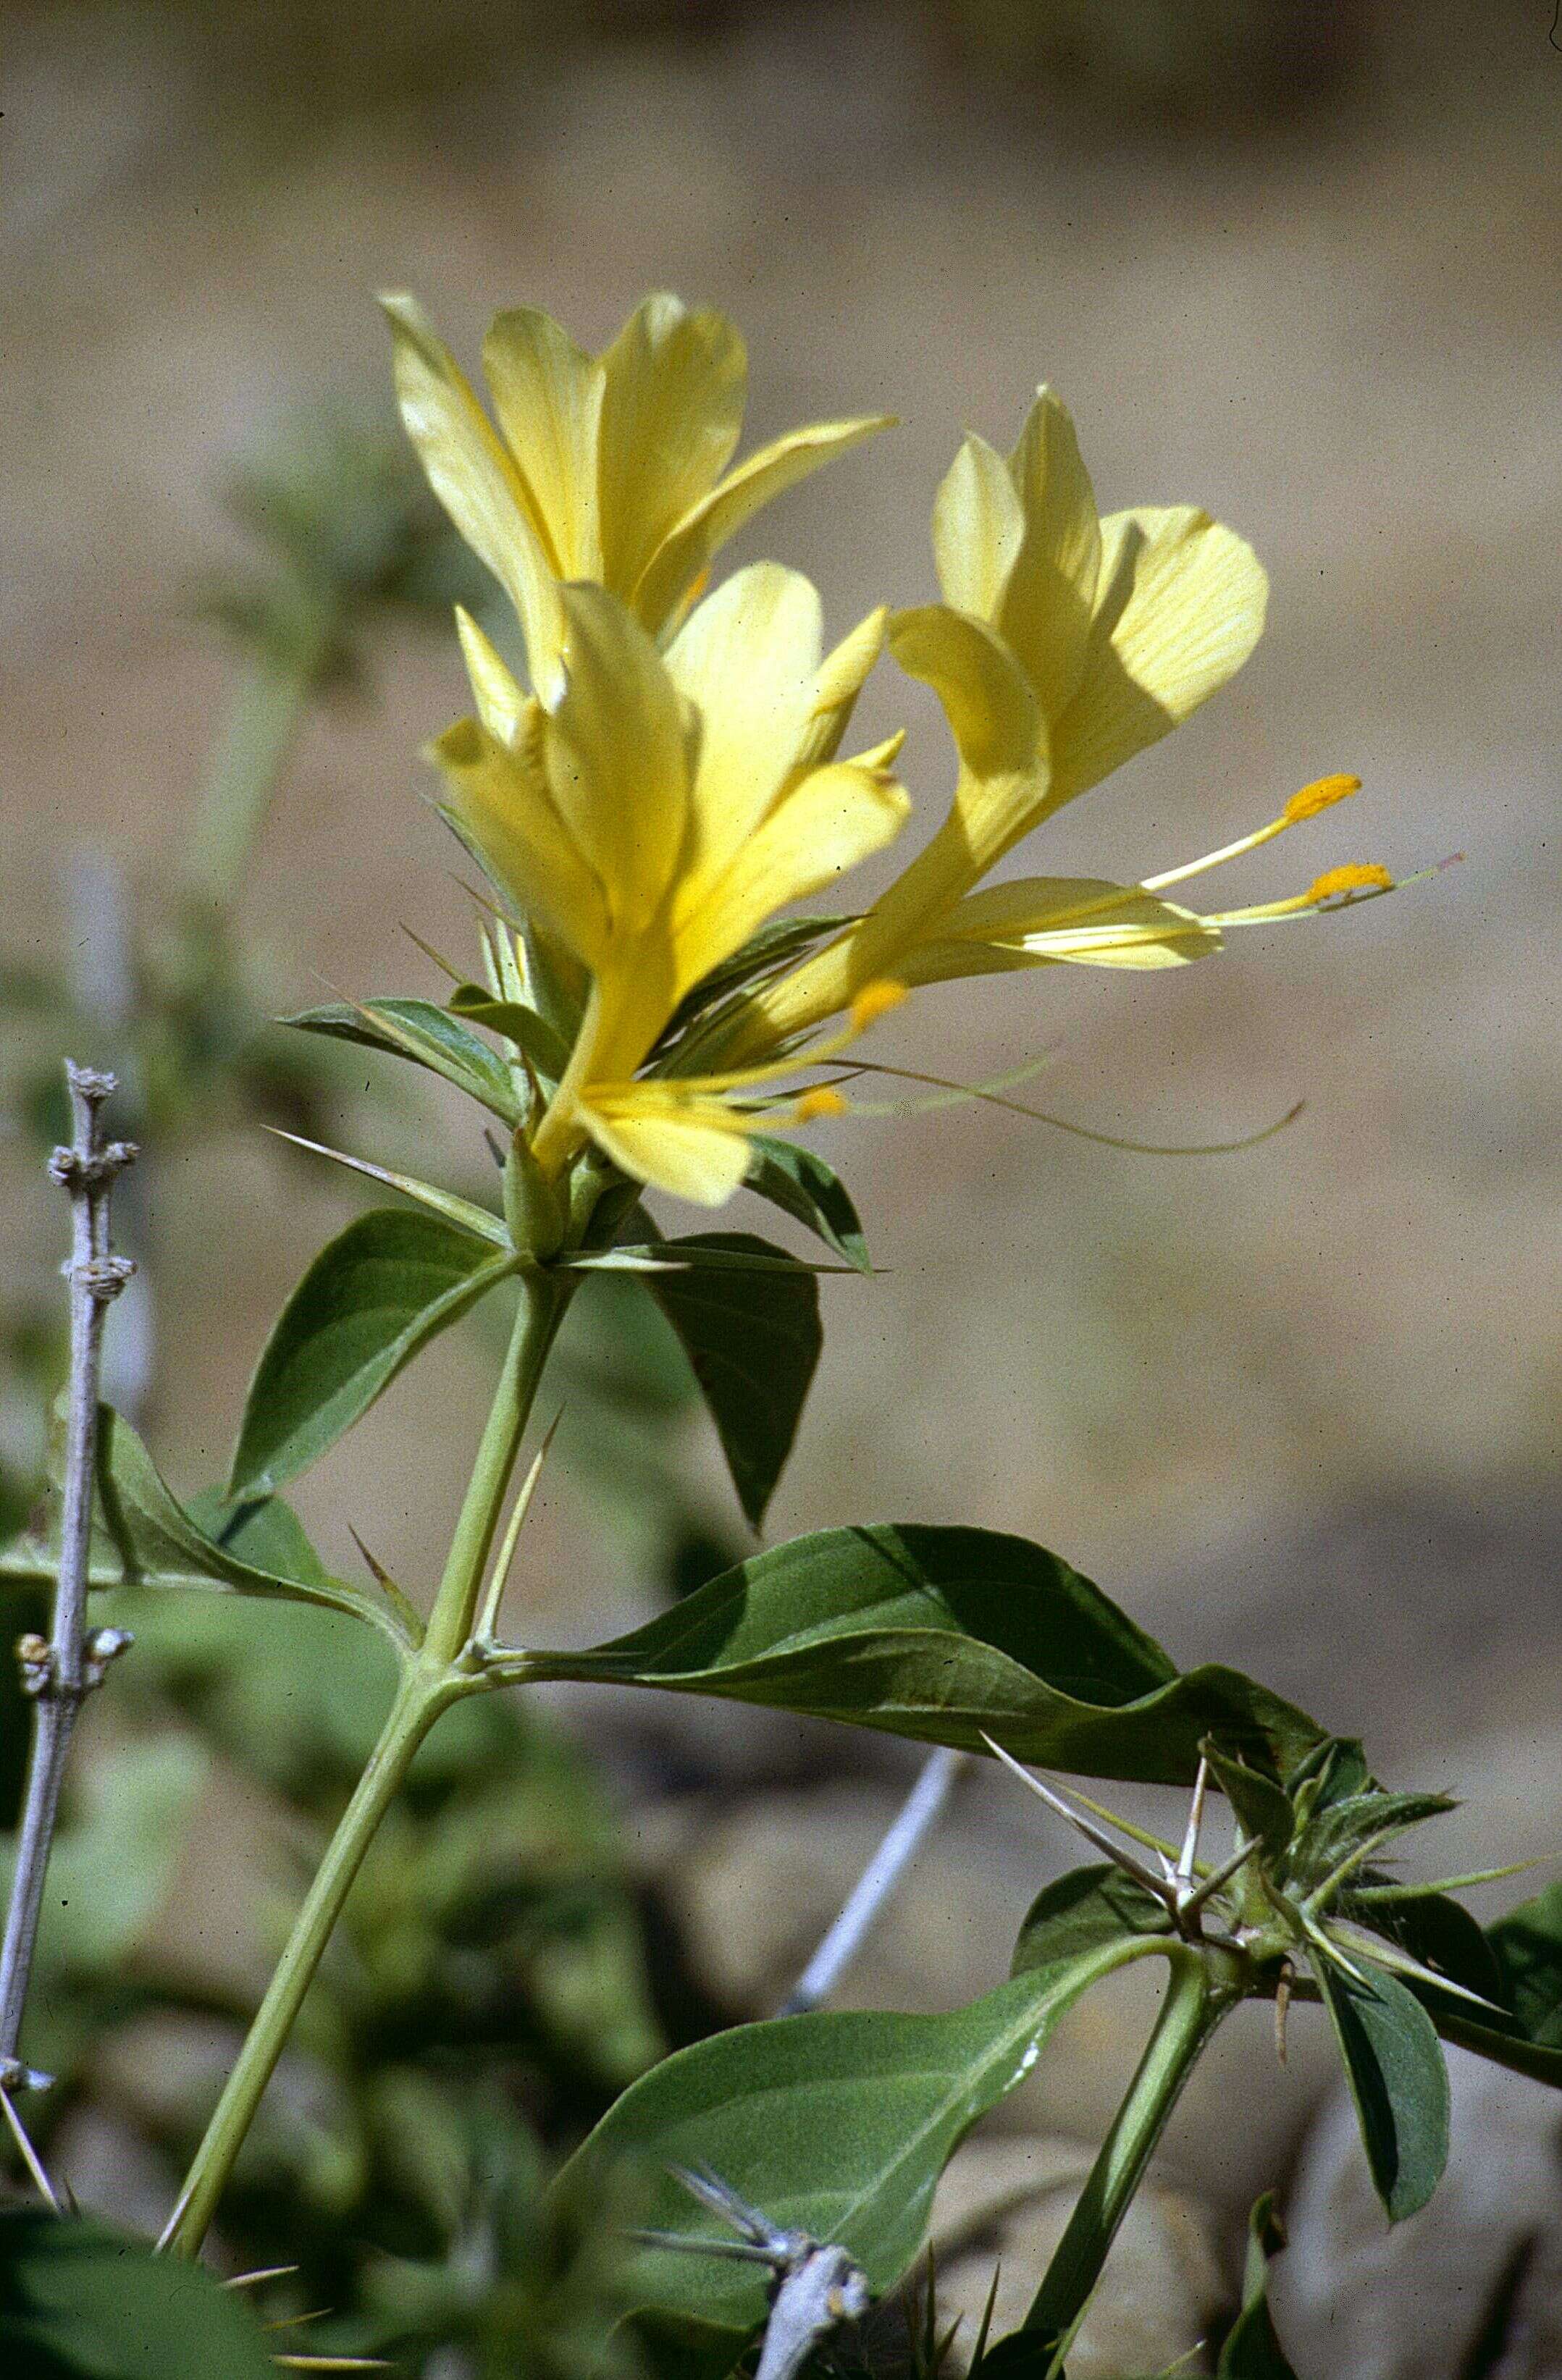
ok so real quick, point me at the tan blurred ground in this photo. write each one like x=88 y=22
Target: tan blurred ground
x=1201 y=1378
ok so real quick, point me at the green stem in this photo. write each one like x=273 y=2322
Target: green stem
x=267 y=711
x=544 y=1297
x=1194 y=2004
x=429 y=1685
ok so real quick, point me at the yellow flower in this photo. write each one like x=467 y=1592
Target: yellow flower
x=1066 y=644
x=652 y=816
x=607 y=468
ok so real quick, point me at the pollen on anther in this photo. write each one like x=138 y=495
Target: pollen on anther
x=821 y=1102
x=1357 y=876
x=1322 y=795
x=875 y=1000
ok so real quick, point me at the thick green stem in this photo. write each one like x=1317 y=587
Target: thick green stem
x=267 y=711
x=544 y=1297
x=1194 y=2007
x=429 y=1685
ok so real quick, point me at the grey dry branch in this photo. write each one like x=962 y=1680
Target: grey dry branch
x=61 y=1672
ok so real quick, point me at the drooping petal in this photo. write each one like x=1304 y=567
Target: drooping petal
x=1045 y=612
x=689 y=547
x=837 y=816
x=1180 y=607
x=475 y=480
x=841 y=679
x=548 y=393
x=693 y=1149
x=613 y=748
x=672 y=408
x=747 y=658
x=987 y=698
x=501 y=705
x=499 y=804
x=978 y=525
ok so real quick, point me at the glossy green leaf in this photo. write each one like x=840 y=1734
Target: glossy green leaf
x=1398 y=2080
x=1253 y=2351
x=1262 y=1808
x=1083 y=1911
x=380 y=1290
x=834 y=2124
x=427 y=1034
x=145 y=1537
x=749 y=1325
x=944 y=1636
x=1526 y=1948
x=531 y=1034
x=803 y=1186
x=81 y=2302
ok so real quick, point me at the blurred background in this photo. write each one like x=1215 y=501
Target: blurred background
x=1294 y=260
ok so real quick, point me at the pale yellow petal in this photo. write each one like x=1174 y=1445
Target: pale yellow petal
x=1045 y=612
x=835 y=817
x=977 y=529
x=499 y=804
x=475 y=480
x=501 y=704
x=699 y=1152
x=1082 y=920
x=839 y=681
x=548 y=393
x=987 y=698
x=1180 y=607
x=747 y=658
x=689 y=546
x=613 y=748
x=671 y=412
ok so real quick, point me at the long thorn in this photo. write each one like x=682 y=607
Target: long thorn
x=1223 y=1875
x=1188 y=1856
x=30 y=2156
x=1086 y=1826
x=905 y=1837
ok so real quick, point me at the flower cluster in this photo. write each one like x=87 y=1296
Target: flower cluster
x=673 y=780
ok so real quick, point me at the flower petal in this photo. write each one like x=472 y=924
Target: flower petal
x=1180 y=607
x=501 y=705
x=747 y=658
x=839 y=681
x=498 y=803
x=1046 y=614
x=697 y=1150
x=613 y=748
x=978 y=525
x=835 y=817
x=675 y=384
x=548 y=393
x=475 y=480
x=1083 y=919
x=690 y=545
x=987 y=698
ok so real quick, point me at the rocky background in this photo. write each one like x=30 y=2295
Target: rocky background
x=1295 y=1407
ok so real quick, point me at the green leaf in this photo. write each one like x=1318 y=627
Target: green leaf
x=79 y=2301
x=380 y=1290
x=837 y=2124
x=1398 y=2080
x=802 y=1185
x=774 y=945
x=427 y=1034
x=457 y=1210
x=531 y=1034
x=944 y=1636
x=1084 y=1911
x=1251 y=2350
x=146 y=1537
x=1526 y=1946
x=750 y=1326
x=1262 y=1807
